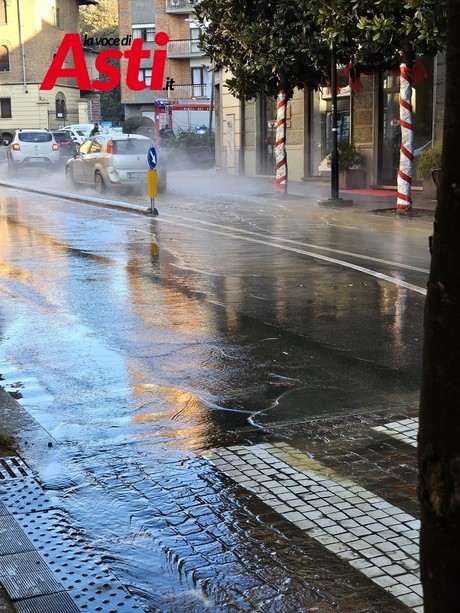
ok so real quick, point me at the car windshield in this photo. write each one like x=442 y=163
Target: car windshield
x=35 y=137
x=132 y=146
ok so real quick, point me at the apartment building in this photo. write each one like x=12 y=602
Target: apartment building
x=184 y=100
x=30 y=34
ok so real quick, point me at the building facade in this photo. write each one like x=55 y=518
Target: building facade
x=369 y=118
x=30 y=34
x=184 y=100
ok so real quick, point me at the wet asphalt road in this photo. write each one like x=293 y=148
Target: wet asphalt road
x=139 y=343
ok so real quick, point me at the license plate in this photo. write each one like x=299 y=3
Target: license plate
x=35 y=159
x=137 y=175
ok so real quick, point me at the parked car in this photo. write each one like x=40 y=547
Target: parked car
x=78 y=136
x=84 y=129
x=114 y=161
x=67 y=145
x=31 y=148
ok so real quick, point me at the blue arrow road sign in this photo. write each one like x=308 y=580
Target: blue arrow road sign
x=152 y=157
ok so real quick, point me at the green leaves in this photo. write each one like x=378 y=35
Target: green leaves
x=261 y=40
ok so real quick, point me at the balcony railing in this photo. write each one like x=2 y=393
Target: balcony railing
x=180 y=6
x=188 y=92
x=184 y=48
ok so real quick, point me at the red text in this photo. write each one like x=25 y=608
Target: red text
x=135 y=54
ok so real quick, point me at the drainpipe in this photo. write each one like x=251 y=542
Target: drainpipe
x=21 y=40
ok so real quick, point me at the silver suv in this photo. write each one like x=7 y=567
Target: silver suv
x=32 y=147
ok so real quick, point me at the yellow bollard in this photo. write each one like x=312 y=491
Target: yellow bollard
x=152 y=181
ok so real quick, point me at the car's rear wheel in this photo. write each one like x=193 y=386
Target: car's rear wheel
x=99 y=184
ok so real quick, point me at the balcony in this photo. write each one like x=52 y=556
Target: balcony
x=190 y=91
x=180 y=6
x=182 y=49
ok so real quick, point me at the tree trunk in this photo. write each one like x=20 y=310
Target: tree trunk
x=404 y=197
x=281 y=176
x=439 y=434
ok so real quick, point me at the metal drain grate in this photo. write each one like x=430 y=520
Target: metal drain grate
x=65 y=553
x=24 y=575
x=13 y=468
x=60 y=602
x=23 y=496
x=45 y=563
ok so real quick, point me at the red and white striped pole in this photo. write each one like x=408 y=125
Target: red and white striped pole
x=404 y=196
x=280 y=143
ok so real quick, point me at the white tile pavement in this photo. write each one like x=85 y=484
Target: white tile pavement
x=404 y=430
x=373 y=536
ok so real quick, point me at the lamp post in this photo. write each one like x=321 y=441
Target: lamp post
x=335 y=151
x=334 y=200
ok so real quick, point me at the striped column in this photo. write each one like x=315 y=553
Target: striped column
x=280 y=143
x=404 y=197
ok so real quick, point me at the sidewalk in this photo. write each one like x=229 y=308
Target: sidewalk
x=196 y=183
x=46 y=565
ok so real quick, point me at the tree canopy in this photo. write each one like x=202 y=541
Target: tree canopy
x=262 y=42
x=259 y=40
x=382 y=33
x=98 y=22
x=94 y=18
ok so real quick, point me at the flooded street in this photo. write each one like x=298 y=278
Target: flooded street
x=142 y=345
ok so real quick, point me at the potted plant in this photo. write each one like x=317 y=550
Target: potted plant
x=351 y=175
x=429 y=160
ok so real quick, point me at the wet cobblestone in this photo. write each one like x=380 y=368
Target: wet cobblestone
x=264 y=533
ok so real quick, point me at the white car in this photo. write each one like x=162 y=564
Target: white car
x=113 y=161
x=78 y=136
x=84 y=129
x=31 y=148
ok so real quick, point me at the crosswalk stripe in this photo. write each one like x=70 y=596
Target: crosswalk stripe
x=372 y=535
x=404 y=430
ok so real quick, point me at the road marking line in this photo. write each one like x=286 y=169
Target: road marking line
x=404 y=430
x=372 y=535
x=318 y=256
x=302 y=243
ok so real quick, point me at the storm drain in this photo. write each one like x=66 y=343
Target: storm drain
x=12 y=468
x=45 y=563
